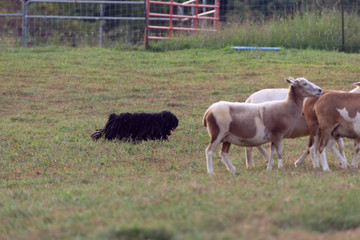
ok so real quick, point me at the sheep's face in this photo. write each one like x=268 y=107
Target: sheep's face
x=305 y=87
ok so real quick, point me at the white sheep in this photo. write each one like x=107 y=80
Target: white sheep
x=249 y=125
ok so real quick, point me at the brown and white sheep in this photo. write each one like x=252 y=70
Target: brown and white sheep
x=300 y=129
x=312 y=121
x=338 y=114
x=250 y=125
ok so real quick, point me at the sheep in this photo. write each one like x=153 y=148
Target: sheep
x=248 y=125
x=300 y=130
x=312 y=121
x=341 y=131
x=338 y=115
x=357 y=89
x=269 y=94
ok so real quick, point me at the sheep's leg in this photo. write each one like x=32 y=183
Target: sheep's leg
x=225 y=157
x=310 y=150
x=313 y=151
x=209 y=155
x=279 y=151
x=314 y=143
x=272 y=154
x=314 y=157
x=324 y=163
x=341 y=145
x=354 y=163
x=302 y=158
x=324 y=139
x=263 y=152
x=249 y=157
x=336 y=153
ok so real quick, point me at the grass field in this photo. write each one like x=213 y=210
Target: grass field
x=56 y=183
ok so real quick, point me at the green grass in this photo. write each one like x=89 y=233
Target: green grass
x=56 y=183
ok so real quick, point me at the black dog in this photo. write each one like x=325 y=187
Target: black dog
x=138 y=126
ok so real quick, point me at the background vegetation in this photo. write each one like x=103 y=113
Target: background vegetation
x=307 y=30
x=301 y=24
x=56 y=183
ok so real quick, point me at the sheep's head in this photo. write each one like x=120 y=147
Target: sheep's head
x=304 y=87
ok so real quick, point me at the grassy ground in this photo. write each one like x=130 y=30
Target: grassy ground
x=56 y=183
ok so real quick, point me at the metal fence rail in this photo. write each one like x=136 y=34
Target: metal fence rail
x=26 y=16
x=36 y=14
x=195 y=17
x=98 y=16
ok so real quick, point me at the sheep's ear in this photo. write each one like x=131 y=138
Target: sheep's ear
x=290 y=80
x=357 y=84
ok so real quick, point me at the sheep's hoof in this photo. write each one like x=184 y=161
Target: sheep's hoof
x=326 y=170
x=344 y=166
x=316 y=166
x=354 y=165
x=236 y=173
x=297 y=163
x=233 y=171
x=250 y=167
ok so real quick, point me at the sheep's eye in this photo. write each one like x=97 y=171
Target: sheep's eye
x=305 y=84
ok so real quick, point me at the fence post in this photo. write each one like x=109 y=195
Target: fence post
x=196 y=17
x=342 y=27
x=146 y=31
x=24 y=23
x=180 y=11
x=170 y=18
x=217 y=14
x=101 y=25
x=192 y=14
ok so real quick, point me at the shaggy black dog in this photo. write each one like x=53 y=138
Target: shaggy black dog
x=138 y=126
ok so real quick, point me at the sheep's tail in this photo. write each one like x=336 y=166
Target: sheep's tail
x=204 y=118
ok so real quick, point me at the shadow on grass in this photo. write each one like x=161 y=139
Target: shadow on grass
x=322 y=220
x=140 y=234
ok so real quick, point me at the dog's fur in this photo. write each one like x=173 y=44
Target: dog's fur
x=138 y=127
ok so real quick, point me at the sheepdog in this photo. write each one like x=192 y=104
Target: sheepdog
x=138 y=127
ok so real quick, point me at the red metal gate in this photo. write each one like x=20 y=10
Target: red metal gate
x=184 y=22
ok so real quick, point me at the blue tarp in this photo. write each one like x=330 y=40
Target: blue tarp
x=256 y=48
